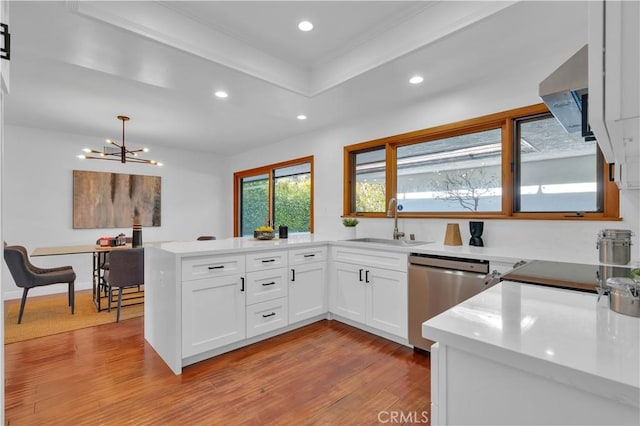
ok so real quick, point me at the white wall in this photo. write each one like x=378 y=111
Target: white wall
x=574 y=240
x=38 y=197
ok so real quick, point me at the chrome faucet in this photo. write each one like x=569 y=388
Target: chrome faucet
x=396 y=234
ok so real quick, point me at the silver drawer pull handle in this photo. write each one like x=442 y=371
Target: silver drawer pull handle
x=268 y=261
x=309 y=255
x=271 y=283
x=217 y=267
x=268 y=315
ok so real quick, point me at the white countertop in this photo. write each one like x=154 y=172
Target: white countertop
x=559 y=327
x=233 y=245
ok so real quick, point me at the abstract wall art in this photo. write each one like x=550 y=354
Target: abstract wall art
x=110 y=200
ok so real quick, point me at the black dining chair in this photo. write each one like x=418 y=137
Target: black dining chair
x=126 y=269
x=28 y=276
x=103 y=265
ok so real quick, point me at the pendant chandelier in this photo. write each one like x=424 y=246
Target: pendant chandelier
x=117 y=152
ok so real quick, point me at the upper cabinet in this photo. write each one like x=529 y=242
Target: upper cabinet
x=4 y=45
x=614 y=85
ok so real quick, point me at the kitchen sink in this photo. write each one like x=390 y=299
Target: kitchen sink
x=388 y=241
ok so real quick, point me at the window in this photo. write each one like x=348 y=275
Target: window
x=279 y=194
x=455 y=174
x=370 y=181
x=514 y=164
x=556 y=170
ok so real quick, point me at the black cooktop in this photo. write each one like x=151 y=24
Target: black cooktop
x=574 y=276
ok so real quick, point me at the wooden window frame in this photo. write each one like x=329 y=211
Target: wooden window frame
x=505 y=121
x=268 y=170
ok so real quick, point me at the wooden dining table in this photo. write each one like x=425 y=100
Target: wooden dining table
x=99 y=256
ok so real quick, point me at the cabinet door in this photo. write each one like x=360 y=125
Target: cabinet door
x=4 y=64
x=213 y=313
x=306 y=291
x=386 y=305
x=348 y=291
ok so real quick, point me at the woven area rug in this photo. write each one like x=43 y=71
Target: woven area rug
x=47 y=315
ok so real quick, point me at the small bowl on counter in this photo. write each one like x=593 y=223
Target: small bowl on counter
x=264 y=235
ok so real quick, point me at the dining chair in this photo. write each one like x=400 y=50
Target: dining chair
x=126 y=269
x=28 y=276
x=103 y=265
x=206 y=238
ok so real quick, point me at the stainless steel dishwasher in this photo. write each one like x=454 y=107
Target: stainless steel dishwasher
x=437 y=283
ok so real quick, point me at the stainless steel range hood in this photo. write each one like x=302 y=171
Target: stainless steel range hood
x=562 y=91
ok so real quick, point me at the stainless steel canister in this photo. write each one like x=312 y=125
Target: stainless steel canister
x=624 y=296
x=614 y=246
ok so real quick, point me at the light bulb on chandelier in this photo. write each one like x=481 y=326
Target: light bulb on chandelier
x=121 y=153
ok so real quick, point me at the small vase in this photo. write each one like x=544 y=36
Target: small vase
x=476 y=228
x=350 y=232
x=136 y=240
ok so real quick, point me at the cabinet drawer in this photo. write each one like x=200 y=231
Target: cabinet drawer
x=267 y=316
x=194 y=268
x=266 y=285
x=308 y=255
x=373 y=258
x=266 y=260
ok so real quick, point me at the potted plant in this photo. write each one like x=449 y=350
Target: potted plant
x=350 y=227
x=350 y=222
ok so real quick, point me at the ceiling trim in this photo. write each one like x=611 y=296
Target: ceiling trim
x=165 y=24
x=434 y=22
x=161 y=24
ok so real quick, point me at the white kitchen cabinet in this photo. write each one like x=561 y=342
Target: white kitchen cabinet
x=348 y=291
x=213 y=313
x=213 y=302
x=4 y=63
x=386 y=301
x=266 y=285
x=267 y=316
x=363 y=292
x=307 y=255
x=204 y=303
x=307 y=283
x=267 y=260
x=614 y=86
x=198 y=267
x=267 y=291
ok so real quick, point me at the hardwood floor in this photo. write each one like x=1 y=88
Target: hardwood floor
x=326 y=373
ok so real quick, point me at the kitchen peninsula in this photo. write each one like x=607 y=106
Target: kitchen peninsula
x=550 y=356
x=211 y=297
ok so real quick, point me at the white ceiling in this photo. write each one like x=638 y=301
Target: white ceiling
x=77 y=65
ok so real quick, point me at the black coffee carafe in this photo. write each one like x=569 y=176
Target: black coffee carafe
x=476 y=229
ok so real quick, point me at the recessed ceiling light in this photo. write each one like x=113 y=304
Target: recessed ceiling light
x=305 y=26
x=301 y=117
x=416 y=79
x=221 y=94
